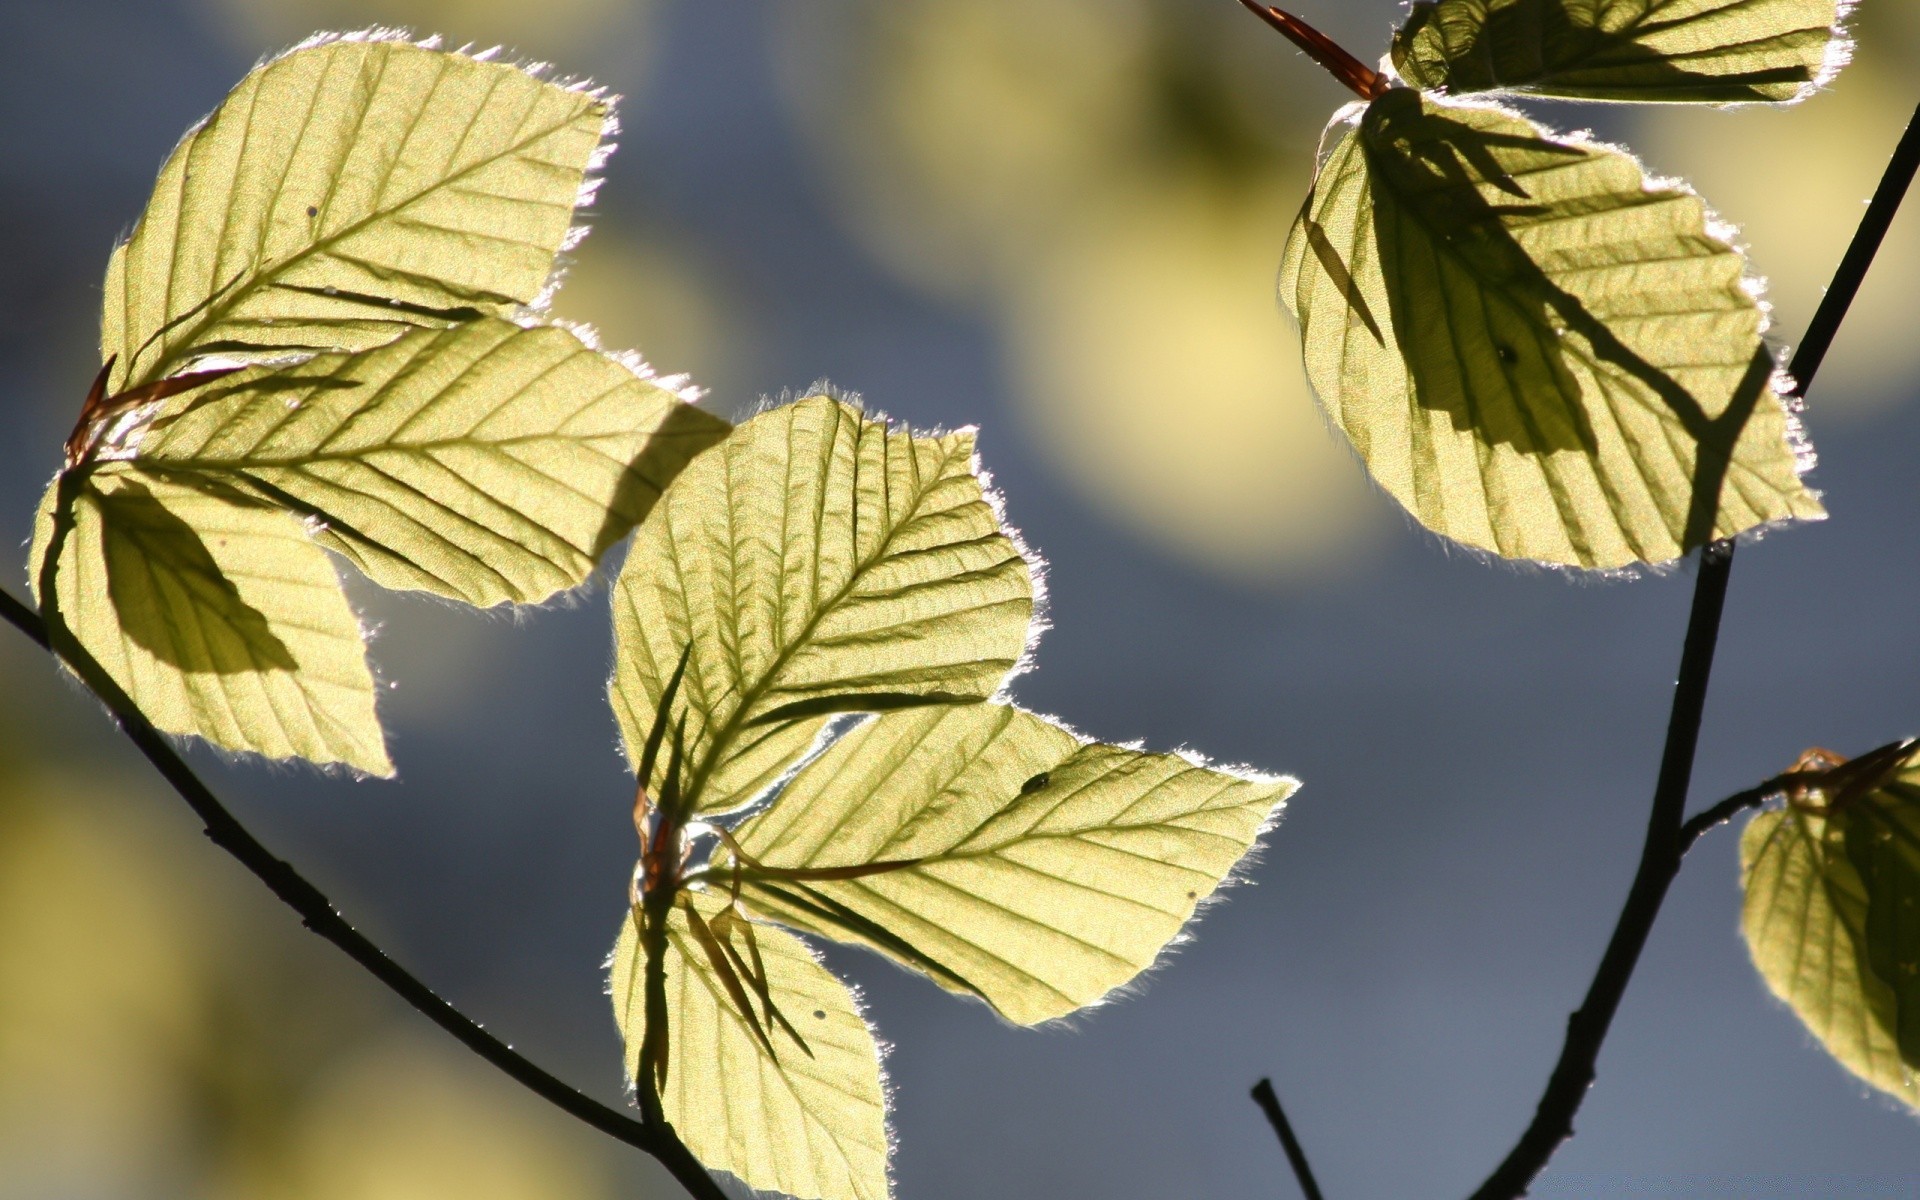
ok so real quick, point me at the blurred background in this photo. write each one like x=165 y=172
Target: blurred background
x=1060 y=220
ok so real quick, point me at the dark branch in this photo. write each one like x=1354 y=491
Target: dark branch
x=1668 y=837
x=317 y=913
x=1730 y=808
x=1269 y=1102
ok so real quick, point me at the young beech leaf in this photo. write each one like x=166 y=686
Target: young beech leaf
x=486 y=462
x=1831 y=919
x=1536 y=351
x=787 y=1094
x=1711 y=51
x=343 y=192
x=1020 y=862
x=817 y=561
x=218 y=617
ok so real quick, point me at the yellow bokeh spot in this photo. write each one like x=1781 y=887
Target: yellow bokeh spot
x=1154 y=365
x=652 y=295
x=400 y=1122
x=545 y=28
x=1112 y=184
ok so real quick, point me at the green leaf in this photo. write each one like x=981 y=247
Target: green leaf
x=218 y=617
x=343 y=192
x=1882 y=831
x=1535 y=350
x=487 y=463
x=817 y=561
x=1831 y=919
x=1000 y=853
x=807 y=1118
x=1706 y=51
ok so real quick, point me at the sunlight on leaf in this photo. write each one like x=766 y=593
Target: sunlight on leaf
x=342 y=193
x=219 y=617
x=1832 y=917
x=1534 y=351
x=1704 y=51
x=356 y=222
x=487 y=463
x=1795 y=225
x=818 y=561
x=1039 y=870
x=808 y=1118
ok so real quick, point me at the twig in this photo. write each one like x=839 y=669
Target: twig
x=1668 y=837
x=1269 y=1102
x=1729 y=808
x=318 y=914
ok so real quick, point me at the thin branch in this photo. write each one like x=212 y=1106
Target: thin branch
x=1730 y=808
x=1668 y=837
x=1269 y=1102
x=318 y=914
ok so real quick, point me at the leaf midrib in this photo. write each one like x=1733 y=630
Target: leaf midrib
x=181 y=349
x=751 y=696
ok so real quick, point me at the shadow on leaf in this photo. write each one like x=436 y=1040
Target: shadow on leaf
x=1516 y=385
x=1552 y=47
x=172 y=597
x=685 y=432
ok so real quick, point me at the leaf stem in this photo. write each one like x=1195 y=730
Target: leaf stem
x=1362 y=80
x=318 y=914
x=1730 y=808
x=1269 y=1102
x=1668 y=835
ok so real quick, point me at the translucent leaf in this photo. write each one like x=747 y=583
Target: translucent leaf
x=1831 y=918
x=343 y=192
x=808 y=1117
x=1711 y=51
x=1016 y=860
x=218 y=617
x=487 y=462
x=1535 y=350
x=817 y=562
x=1883 y=843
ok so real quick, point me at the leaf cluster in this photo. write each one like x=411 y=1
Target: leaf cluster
x=820 y=562
x=1537 y=350
x=324 y=337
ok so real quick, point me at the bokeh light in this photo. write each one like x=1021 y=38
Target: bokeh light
x=1112 y=185
x=547 y=29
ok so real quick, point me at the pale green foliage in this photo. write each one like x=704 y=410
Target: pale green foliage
x=218 y=617
x=343 y=192
x=357 y=221
x=809 y=1119
x=1047 y=870
x=1534 y=350
x=487 y=463
x=1831 y=918
x=1712 y=51
x=818 y=561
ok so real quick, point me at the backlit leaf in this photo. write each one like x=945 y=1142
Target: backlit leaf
x=1027 y=865
x=346 y=191
x=817 y=561
x=1534 y=350
x=806 y=1120
x=487 y=462
x=1712 y=51
x=1883 y=843
x=1830 y=917
x=217 y=616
